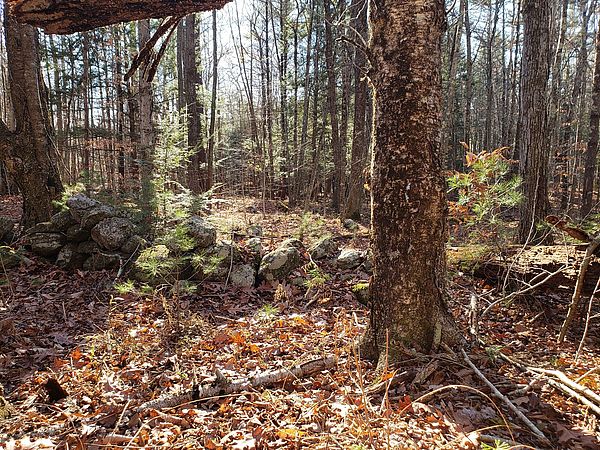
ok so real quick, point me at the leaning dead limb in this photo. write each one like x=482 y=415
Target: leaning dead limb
x=505 y=399
x=588 y=319
x=222 y=386
x=589 y=254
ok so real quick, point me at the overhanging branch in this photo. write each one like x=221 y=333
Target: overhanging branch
x=61 y=17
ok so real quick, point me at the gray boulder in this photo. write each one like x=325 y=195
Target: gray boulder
x=87 y=247
x=243 y=275
x=279 y=263
x=326 y=247
x=367 y=265
x=292 y=242
x=350 y=224
x=113 y=232
x=62 y=220
x=43 y=227
x=203 y=232
x=215 y=262
x=254 y=230
x=77 y=234
x=350 y=258
x=9 y=258
x=256 y=249
x=102 y=261
x=79 y=204
x=94 y=215
x=47 y=244
x=69 y=258
x=134 y=244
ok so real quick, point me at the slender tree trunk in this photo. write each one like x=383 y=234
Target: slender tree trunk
x=469 y=77
x=591 y=153
x=408 y=287
x=146 y=129
x=87 y=169
x=27 y=151
x=338 y=157
x=212 y=137
x=533 y=137
x=493 y=12
x=359 y=133
x=197 y=177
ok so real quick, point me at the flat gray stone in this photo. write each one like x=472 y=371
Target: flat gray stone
x=113 y=232
x=47 y=244
x=279 y=263
x=350 y=258
x=203 y=232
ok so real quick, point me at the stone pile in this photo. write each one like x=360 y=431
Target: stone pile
x=87 y=235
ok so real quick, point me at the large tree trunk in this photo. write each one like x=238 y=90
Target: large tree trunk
x=591 y=152
x=408 y=288
x=27 y=151
x=533 y=132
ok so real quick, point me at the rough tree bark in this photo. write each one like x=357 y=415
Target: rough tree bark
x=359 y=132
x=146 y=142
x=62 y=17
x=27 y=151
x=190 y=79
x=336 y=144
x=533 y=133
x=591 y=152
x=408 y=287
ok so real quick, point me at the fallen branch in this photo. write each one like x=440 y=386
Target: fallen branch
x=222 y=386
x=571 y=393
x=564 y=379
x=505 y=399
x=529 y=288
x=562 y=382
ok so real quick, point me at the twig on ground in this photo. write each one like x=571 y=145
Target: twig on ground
x=505 y=399
x=562 y=382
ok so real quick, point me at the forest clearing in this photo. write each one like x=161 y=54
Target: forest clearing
x=254 y=224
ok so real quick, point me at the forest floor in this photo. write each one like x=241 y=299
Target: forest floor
x=108 y=353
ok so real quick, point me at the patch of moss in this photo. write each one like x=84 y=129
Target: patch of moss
x=468 y=258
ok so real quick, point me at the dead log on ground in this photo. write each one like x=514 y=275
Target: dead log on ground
x=523 y=266
x=221 y=386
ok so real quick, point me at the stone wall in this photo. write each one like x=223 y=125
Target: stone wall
x=87 y=235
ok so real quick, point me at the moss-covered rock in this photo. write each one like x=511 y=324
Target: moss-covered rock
x=9 y=258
